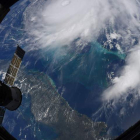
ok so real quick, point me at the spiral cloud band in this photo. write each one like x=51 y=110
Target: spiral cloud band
x=57 y=23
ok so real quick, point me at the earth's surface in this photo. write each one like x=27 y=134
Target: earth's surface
x=80 y=76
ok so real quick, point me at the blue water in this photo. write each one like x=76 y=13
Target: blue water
x=80 y=75
x=35 y=131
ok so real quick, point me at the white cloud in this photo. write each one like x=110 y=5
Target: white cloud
x=59 y=22
x=54 y=22
x=129 y=78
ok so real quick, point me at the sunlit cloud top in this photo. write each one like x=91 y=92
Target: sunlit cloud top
x=57 y=23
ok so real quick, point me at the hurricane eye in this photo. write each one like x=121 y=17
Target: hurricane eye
x=65 y=2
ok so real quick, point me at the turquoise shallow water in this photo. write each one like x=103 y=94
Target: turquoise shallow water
x=81 y=75
x=88 y=68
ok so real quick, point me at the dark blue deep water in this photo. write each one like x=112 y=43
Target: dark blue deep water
x=21 y=124
x=80 y=76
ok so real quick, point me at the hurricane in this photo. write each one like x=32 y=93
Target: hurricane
x=57 y=23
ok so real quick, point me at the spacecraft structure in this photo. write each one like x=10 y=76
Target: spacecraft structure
x=10 y=96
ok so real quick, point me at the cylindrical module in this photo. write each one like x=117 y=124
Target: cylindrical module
x=16 y=99
x=10 y=97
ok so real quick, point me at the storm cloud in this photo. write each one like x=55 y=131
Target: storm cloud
x=57 y=23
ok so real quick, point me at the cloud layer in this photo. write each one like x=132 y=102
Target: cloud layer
x=59 y=22
x=54 y=22
x=129 y=78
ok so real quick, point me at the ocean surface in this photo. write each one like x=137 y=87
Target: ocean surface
x=80 y=75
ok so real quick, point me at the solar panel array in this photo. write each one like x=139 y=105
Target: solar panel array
x=12 y=73
x=13 y=70
x=14 y=66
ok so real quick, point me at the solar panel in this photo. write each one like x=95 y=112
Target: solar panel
x=12 y=73
x=14 y=66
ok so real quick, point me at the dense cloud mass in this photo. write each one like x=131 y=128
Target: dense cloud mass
x=129 y=78
x=59 y=22
x=54 y=22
